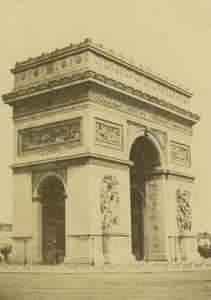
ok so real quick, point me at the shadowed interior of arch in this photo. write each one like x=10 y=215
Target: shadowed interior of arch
x=145 y=158
x=53 y=221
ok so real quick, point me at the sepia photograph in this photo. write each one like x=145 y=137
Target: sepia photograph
x=105 y=153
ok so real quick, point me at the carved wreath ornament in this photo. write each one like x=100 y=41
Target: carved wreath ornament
x=184 y=212
x=110 y=202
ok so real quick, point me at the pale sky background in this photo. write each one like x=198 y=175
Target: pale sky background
x=172 y=37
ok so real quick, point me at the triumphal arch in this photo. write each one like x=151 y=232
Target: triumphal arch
x=102 y=160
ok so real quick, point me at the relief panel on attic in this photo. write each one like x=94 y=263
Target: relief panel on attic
x=37 y=138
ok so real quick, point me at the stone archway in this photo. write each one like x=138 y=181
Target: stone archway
x=53 y=221
x=146 y=159
x=96 y=115
x=137 y=223
x=49 y=195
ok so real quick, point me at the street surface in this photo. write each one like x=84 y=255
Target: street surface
x=123 y=286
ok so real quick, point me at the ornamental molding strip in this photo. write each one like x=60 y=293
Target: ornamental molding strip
x=41 y=137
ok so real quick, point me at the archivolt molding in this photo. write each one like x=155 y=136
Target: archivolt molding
x=162 y=139
x=161 y=136
x=133 y=128
x=39 y=179
x=158 y=138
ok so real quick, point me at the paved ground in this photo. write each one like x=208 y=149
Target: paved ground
x=124 y=286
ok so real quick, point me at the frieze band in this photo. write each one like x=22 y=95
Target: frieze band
x=139 y=109
x=49 y=135
x=29 y=105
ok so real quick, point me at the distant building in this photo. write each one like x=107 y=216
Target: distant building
x=204 y=239
x=5 y=235
x=204 y=244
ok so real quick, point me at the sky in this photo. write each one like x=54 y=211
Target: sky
x=172 y=37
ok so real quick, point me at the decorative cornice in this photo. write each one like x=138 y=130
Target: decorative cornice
x=50 y=86
x=23 y=238
x=78 y=92
x=140 y=108
x=63 y=162
x=88 y=61
x=170 y=174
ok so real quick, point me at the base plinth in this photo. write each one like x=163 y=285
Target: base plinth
x=188 y=246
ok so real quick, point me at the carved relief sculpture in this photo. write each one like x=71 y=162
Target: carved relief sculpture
x=110 y=202
x=180 y=154
x=108 y=133
x=184 y=212
x=61 y=132
x=139 y=109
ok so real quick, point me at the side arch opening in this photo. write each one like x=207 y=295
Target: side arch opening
x=146 y=158
x=53 y=220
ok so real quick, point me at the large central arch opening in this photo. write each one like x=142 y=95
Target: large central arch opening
x=145 y=158
x=53 y=221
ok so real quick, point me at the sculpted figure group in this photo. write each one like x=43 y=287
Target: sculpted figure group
x=184 y=212
x=107 y=133
x=110 y=202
